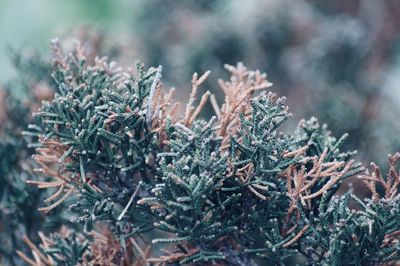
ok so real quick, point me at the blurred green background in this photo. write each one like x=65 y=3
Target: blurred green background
x=336 y=60
x=31 y=24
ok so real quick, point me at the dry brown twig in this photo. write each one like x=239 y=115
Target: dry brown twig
x=103 y=250
x=391 y=186
x=39 y=258
x=173 y=256
x=161 y=106
x=296 y=237
x=107 y=250
x=392 y=183
x=49 y=159
x=246 y=173
x=191 y=113
x=238 y=93
x=301 y=182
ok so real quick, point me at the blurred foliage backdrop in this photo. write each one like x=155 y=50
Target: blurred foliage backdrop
x=337 y=60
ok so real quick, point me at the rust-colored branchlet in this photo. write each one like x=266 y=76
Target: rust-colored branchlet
x=238 y=93
x=48 y=158
x=301 y=182
x=390 y=185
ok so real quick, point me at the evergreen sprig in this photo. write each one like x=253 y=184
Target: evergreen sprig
x=193 y=200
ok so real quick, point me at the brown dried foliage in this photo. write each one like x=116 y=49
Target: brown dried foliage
x=301 y=182
x=191 y=113
x=107 y=250
x=173 y=256
x=50 y=165
x=238 y=93
x=39 y=259
x=390 y=185
x=161 y=106
x=103 y=250
x=246 y=173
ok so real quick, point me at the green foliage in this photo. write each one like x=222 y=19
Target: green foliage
x=100 y=115
x=250 y=194
x=353 y=237
x=196 y=203
x=260 y=143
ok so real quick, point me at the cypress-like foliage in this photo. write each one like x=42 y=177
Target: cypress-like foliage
x=143 y=185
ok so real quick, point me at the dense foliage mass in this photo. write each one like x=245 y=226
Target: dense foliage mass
x=122 y=175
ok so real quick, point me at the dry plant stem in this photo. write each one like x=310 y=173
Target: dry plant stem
x=332 y=181
x=215 y=106
x=172 y=257
x=26 y=259
x=162 y=107
x=300 y=182
x=40 y=259
x=245 y=173
x=50 y=159
x=58 y=202
x=296 y=237
x=138 y=248
x=190 y=112
x=238 y=92
x=296 y=153
x=152 y=99
x=390 y=185
x=129 y=202
x=200 y=107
